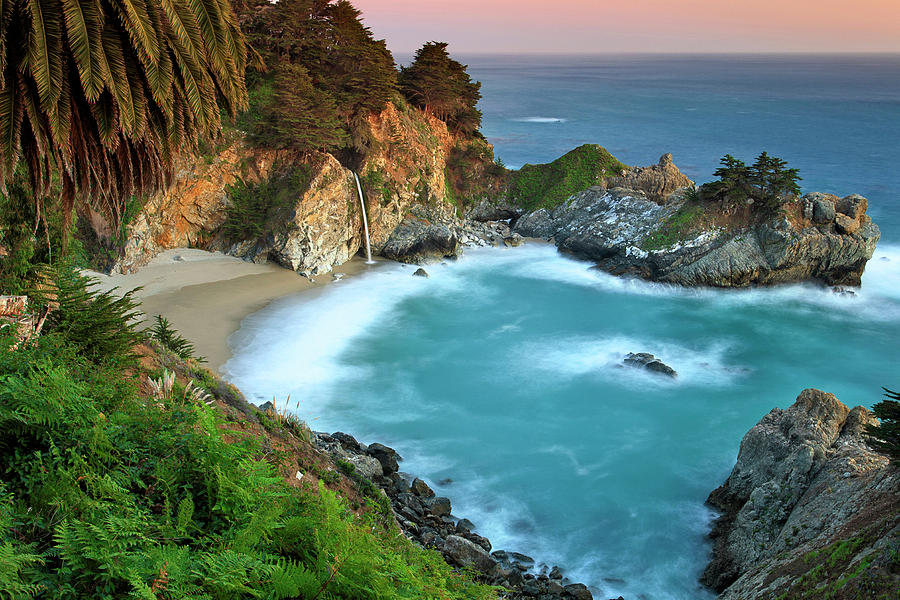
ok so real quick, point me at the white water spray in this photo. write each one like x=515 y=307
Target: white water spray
x=362 y=205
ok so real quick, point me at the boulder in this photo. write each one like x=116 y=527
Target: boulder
x=846 y=225
x=854 y=206
x=388 y=457
x=416 y=241
x=347 y=441
x=649 y=362
x=467 y=554
x=367 y=466
x=823 y=210
x=420 y=272
x=420 y=488
x=438 y=506
x=579 y=591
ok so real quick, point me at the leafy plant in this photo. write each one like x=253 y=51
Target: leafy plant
x=254 y=205
x=98 y=325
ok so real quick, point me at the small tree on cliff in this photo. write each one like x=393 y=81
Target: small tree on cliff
x=767 y=180
x=886 y=437
x=441 y=86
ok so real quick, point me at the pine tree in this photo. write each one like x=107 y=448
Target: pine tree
x=441 y=86
x=886 y=437
x=298 y=115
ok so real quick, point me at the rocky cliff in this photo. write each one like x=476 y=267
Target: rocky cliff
x=322 y=225
x=634 y=231
x=809 y=511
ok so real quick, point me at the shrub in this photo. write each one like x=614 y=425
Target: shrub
x=162 y=332
x=254 y=206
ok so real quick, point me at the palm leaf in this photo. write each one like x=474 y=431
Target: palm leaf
x=134 y=16
x=44 y=55
x=84 y=34
x=12 y=111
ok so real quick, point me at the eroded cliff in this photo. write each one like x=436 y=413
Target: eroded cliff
x=809 y=511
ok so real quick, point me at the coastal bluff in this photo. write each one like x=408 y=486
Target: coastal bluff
x=646 y=224
x=809 y=510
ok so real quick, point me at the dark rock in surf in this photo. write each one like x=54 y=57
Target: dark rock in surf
x=650 y=363
x=420 y=272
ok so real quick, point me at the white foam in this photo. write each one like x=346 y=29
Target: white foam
x=540 y=120
x=603 y=357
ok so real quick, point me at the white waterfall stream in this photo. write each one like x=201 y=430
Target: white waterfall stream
x=362 y=205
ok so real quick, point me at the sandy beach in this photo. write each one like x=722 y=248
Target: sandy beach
x=206 y=295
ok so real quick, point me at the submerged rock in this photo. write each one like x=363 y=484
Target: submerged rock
x=420 y=272
x=649 y=362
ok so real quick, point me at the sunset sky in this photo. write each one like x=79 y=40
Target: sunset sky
x=638 y=25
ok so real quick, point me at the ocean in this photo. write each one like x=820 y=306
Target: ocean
x=502 y=371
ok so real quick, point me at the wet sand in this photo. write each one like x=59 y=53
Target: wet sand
x=205 y=295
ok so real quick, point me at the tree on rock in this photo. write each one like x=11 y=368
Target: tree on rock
x=886 y=437
x=441 y=86
x=767 y=180
x=298 y=116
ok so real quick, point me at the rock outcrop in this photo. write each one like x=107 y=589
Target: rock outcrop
x=806 y=491
x=418 y=242
x=658 y=181
x=323 y=226
x=626 y=232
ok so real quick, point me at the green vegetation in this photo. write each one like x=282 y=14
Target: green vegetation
x=472 y=174
x=255 y=205
x=327 y=74
x=549 y=185
x=886 y=437
x=676 y=228
x=162 y=332
x=828 y=574
x=96 y=97
x=767 y=180
x=441 y=86
x=108 y=491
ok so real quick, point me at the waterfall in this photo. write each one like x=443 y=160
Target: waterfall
x=362 y=205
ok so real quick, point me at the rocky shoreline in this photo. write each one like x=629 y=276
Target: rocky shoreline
x=809 y=511
x=427 y=519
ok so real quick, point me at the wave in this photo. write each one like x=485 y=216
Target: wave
x=540 y=120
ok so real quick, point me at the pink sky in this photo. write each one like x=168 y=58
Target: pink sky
x=638 y=25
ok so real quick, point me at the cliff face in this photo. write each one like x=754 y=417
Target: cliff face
x=323 y=225
x=633 y=231
x=809 y=509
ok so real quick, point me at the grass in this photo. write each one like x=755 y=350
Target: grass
x=549 y=185
x=676 y=229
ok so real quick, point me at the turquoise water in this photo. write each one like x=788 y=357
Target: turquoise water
x=502 y=371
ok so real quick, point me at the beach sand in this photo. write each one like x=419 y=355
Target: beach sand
x=206 y=295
